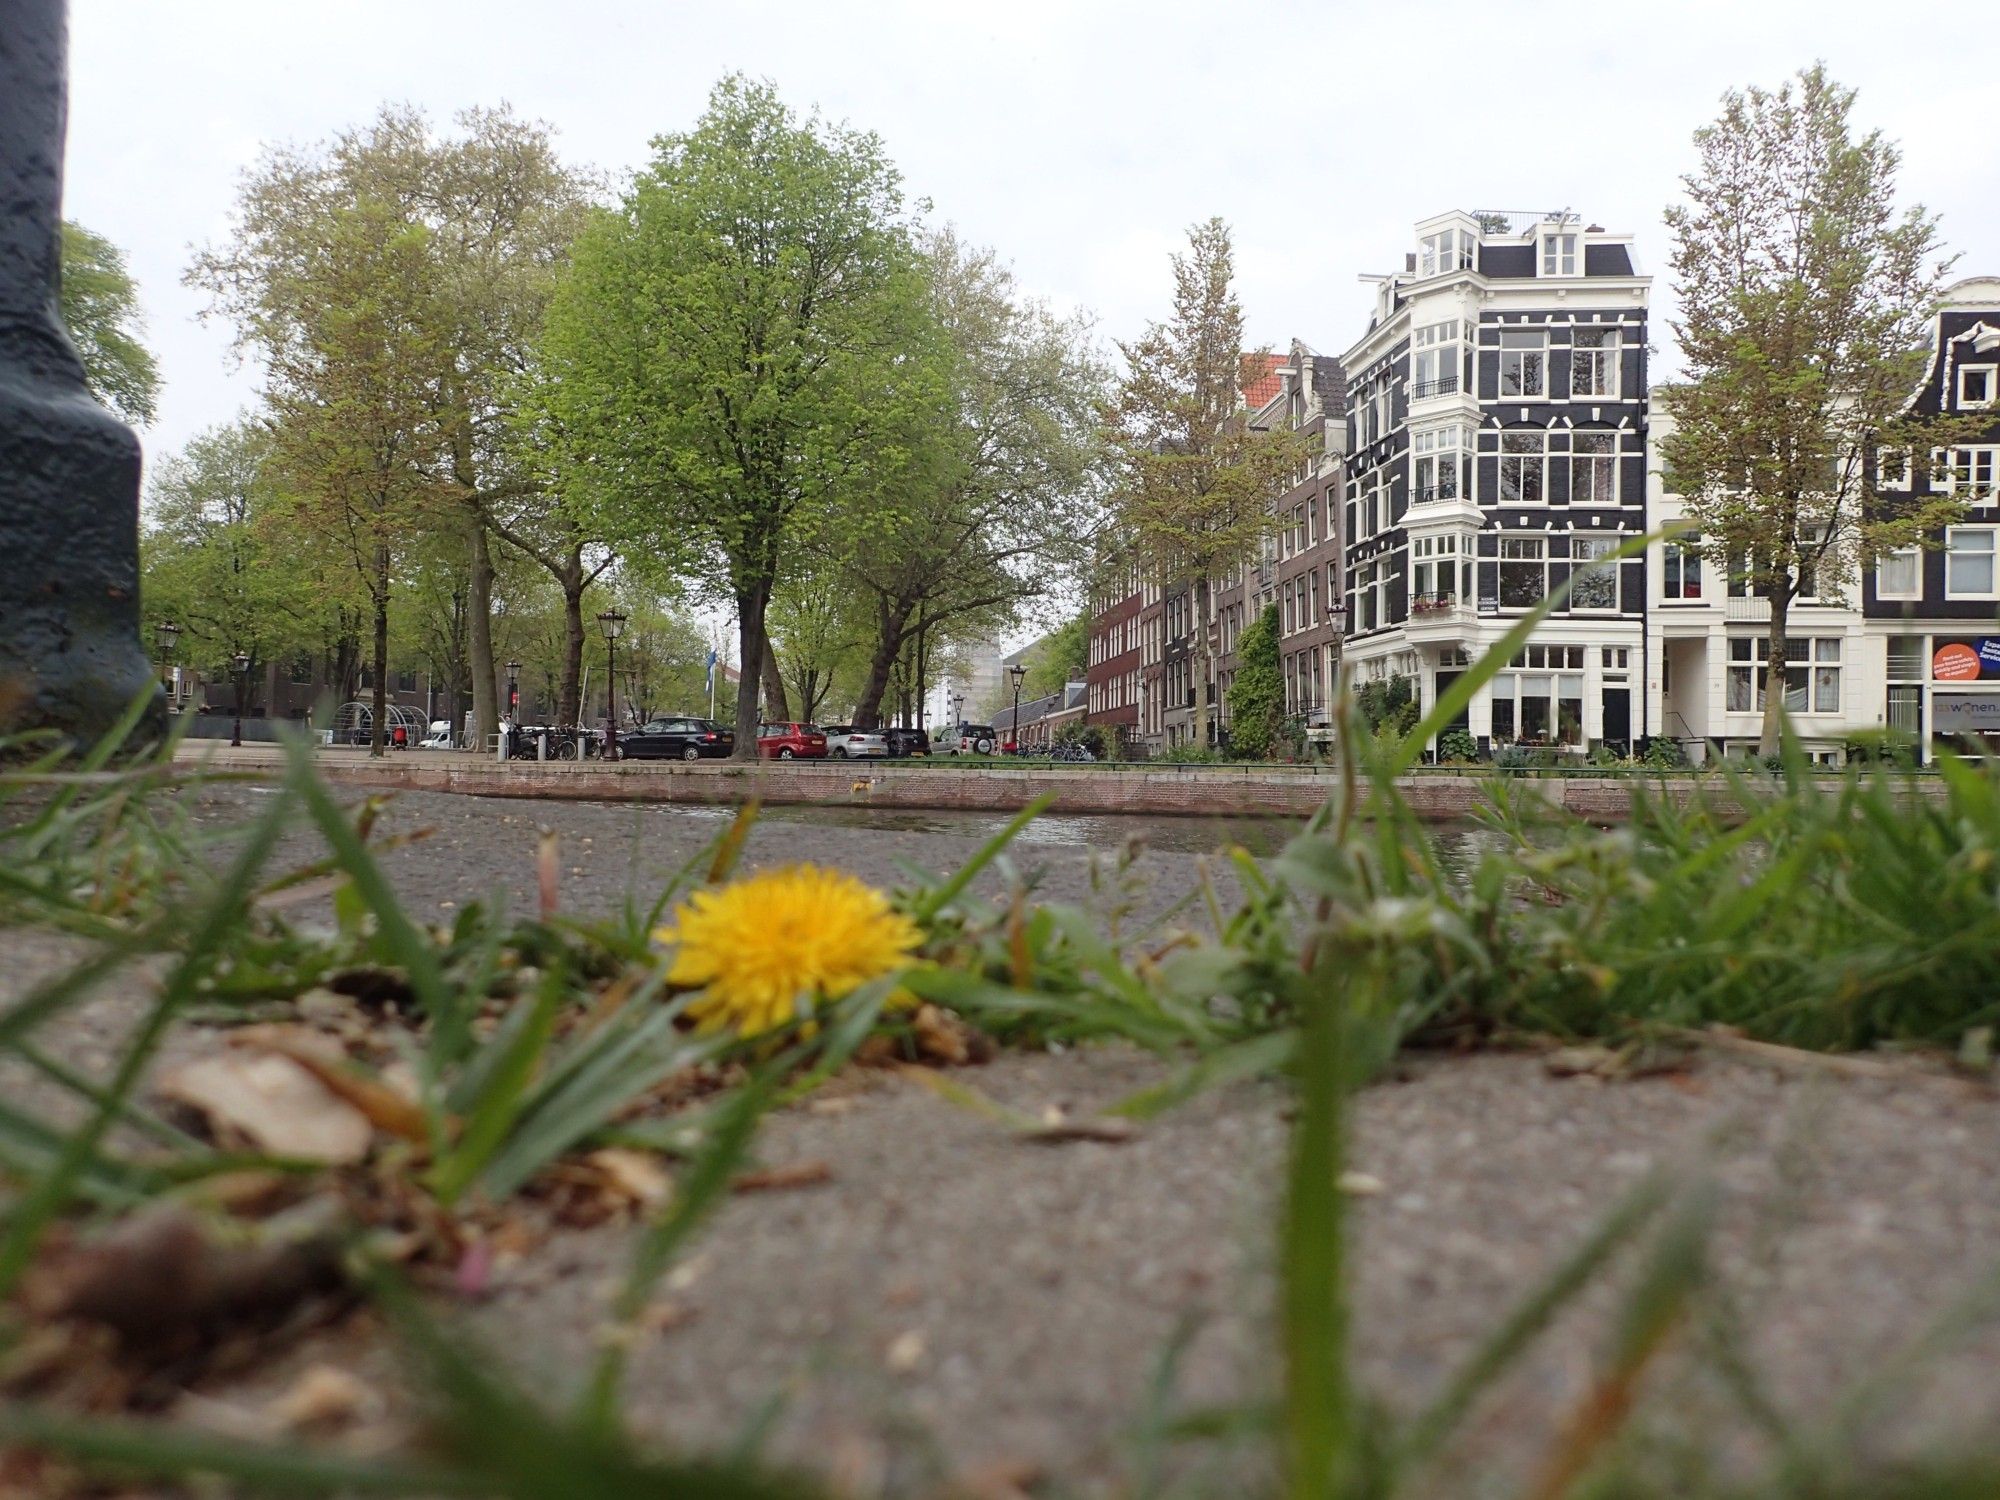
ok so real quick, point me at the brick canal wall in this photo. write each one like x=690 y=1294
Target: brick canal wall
x=1203 y=791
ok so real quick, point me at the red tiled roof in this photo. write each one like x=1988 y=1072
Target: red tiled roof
x=1258 y=389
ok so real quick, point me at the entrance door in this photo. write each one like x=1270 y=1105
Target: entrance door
x=1618 y=717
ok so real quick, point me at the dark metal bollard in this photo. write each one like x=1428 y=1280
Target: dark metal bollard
x=70 y=656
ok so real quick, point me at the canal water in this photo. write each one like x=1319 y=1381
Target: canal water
x=1457 y=845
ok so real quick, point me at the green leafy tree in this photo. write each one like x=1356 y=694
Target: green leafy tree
x=1058 y=658
x=1002 y=508
x=216 y=564
x=1257 y=695
x=737 y=353
x=392 y=283
x=1805 y=303
x=100 y=305
x=1195 y=481
x=819 y=633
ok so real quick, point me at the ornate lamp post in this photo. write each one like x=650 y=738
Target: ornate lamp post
x=612 y=623
x=1017 y=672
x=513 y=689
x=69 y=479
x=242 y=664
x=168 y=634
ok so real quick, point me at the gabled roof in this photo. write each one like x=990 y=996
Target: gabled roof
x=1260 y=389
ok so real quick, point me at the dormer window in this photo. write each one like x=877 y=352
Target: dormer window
x=1559 y=255
x=1447 y=250
x=1976 y=385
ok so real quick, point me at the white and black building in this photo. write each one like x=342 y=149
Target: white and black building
x=1497 y=442
x=1911 y=647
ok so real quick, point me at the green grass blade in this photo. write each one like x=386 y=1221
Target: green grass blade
x=50 y=1192
x=929 y=903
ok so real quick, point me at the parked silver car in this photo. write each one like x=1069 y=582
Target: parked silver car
x=845 y=742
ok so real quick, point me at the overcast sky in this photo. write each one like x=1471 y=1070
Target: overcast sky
x=1079 y=139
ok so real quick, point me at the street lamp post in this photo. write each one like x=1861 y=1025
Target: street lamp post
x=1017 y=672
x=242 y=675
x=167 y=633
x=611 y=622
x=511 y=724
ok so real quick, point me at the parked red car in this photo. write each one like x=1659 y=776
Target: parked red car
x=790 y=742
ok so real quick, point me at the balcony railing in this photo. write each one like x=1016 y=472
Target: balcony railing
x=1431 y=494
x=1424 y=389
x=1433 y=604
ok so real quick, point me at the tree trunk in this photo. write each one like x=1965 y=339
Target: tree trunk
x=777 y=707
x=890 y=625
x=569 y=695
x=750 y=645
x=1772 y=733
x=479 y=631
x=378 y=730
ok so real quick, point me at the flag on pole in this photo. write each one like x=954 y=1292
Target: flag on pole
x=711 y=670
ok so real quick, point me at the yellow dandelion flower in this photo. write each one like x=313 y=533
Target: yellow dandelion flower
x=765 y=950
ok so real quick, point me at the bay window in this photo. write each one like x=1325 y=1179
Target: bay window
x=1434 y=360
x=1438 y=453
x=1523 y=362
x=1436 y=576
x=1593 y=363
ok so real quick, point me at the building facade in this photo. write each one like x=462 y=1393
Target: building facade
x=1910 y=647
x=1496 y=444
x=1111 y=675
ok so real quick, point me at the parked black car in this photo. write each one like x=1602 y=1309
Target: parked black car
x=677 y=739
x=907 y=742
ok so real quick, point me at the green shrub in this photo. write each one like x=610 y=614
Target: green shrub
x=1257 y=696
x=1663 y=754
x=1457 y=747
x=1189 y=754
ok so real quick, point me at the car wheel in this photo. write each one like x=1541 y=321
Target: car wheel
x=785 y=753
x=691 y=753
x=838 y=753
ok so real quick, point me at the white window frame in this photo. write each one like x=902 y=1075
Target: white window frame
x=1520 y=550
x=1604 y=359
x=1435 y=452
x=1820 y=658
x=1608 y=574
x=1951 y=551
x=1560 y=250
x=1535 y=462
x=1992 y=374
x=1914 y=557
x=1971 y=466
x=1609 y=462
x=1520 y=350
x=1887 y=478
x=1677 y=557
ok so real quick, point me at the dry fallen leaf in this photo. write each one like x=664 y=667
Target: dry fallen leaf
x=634 y=1175
x=1360 y=1184
x=905 y=1352
x=272 y=1104
x=1571 y=1062
x=323 y=1399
